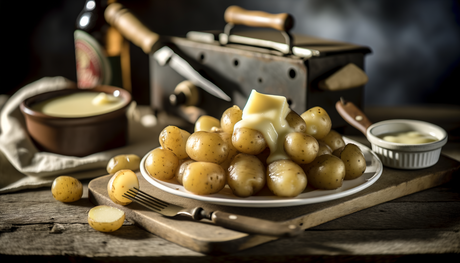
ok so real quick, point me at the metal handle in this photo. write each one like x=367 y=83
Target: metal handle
x=353 y=115
x=130 y=27
x=254 y=225
x=235 y=15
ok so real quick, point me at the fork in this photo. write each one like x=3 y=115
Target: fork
x=227 y=220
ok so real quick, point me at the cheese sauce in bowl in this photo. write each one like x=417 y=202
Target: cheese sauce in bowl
x=78 y=122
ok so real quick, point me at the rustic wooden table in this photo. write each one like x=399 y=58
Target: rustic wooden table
x=423 y=225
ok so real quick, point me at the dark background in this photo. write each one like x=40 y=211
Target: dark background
x=415 y=44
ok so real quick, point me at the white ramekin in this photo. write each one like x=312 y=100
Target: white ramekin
x=406 y=156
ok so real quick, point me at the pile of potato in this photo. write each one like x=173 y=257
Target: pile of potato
x=216 y=154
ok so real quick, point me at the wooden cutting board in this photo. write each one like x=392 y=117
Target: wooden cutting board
x=207 y=238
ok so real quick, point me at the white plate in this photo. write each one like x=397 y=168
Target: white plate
x=309 y=196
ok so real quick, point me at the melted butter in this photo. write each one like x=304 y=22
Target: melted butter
x=80 y=104
x=267 y=114
x=411 y=137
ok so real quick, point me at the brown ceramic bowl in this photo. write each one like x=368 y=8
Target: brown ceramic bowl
x=77 y=136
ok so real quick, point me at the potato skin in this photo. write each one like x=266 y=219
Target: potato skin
x=325 y=172
x=301 y=147
x=174 y=139
x=334 y=140
x=230 y=117
x=123 y=161
x=318 y=122
x=180 y=171
x=296 y=122
x=248 y=141
x=246 y=175
x=66 y=189
x=323 y=148
x=285 y=178
x=232 y=151
x=204 y=178
x=355 y=163
x=206 y=123
x=206 y=147
x=161 y=164
x=119 y=184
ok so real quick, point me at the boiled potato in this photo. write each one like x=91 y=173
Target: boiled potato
x=174 y=139
x=206 y=123
x=105 y=218
x=286 y=178
x=230 y=117
x=318 y=122
x=296 y=122
x=182 y=166
x=325 y=172
x=161 y=164
x=123 y=161
x=323 y=148
x=334 y=140
x=301 y=147
x=246 y=175
x=232 y=151
x=66 y=189
x=353 y=158
x=263 y=156
x=204 y=178
x=207 y=147
x=119 y=184
x=248 y=141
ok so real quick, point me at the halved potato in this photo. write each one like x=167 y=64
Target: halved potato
x=105 y=218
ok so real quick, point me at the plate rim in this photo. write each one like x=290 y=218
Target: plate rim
x=280 y=201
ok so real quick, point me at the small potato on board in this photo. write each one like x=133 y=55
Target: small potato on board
x=119 y=184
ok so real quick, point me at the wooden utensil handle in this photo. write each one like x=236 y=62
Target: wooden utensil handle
x=353 y=115
x=130 y=27
x=239 y=16
x=254 y=225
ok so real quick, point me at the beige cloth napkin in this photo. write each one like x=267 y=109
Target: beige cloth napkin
x=22 y=166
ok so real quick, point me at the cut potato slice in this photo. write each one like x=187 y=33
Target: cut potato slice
x=119 y=184
x=105 y=218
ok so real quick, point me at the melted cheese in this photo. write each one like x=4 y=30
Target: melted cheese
x=411 y=137
x=267 y=114
x=80 y=104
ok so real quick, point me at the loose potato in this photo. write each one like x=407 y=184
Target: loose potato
x=301 y=147
x=323 y=148
x=123 y=161
x=318 y=122
x=180 y=171
x=174 y=139
x=232 y=151
x=161 y=164
x=353 y=158
x=204 y=178
x=66 y=189
x=105 y=218
x=296 y=122
x=207 y=147
x=206 y=123
x=230 y=117
x=286 y=178
x=325 y=172
x=246 y=175
x=248 y=141
x=119 y=184
x=334 y=140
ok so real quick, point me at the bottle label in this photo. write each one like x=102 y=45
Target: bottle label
x=93 y=67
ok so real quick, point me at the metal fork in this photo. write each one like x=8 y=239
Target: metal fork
x=227 y=220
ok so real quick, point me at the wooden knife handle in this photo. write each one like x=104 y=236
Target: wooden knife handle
x=130 y=27
x=254 y=225
x=353 y=115
x=239 y=16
